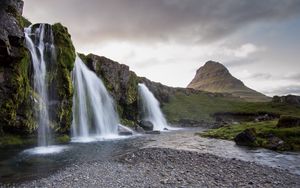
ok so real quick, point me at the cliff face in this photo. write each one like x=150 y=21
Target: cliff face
x=215 y=77
x=120 y=82
x=289 y=99
x=15 y=112
x=17 y=96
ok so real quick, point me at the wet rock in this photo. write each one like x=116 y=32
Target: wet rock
x=139 y=129
x=146 y=125
x=125 y=133
x=152 y=132
x=275 y=143
x=246 y=138
x=120 y=81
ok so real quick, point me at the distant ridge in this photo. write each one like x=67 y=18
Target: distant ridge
x=215 y=77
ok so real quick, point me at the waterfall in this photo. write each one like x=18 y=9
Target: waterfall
x=39 y=41
x=94 y=114
x=151 y=110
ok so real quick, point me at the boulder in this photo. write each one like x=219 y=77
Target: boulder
x=265 y=117
x=275 y=143
x=139 y=129
x=288 y=121
x=146 y=125
x=246 y=138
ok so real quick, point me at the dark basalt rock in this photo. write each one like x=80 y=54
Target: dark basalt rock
x=139 y=129
x=146 y=125
x=246 y=138
x=11 y=34
x=120 y=82
x=275 y=143
x=289 y=99
x=15 y=112
x=288 y=121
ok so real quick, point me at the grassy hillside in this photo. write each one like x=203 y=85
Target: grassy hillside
x=289 y=135
x=201 y=107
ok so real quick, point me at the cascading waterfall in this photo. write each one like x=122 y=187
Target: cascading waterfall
x=151 y=109
x=39 y=41
x=94 y=114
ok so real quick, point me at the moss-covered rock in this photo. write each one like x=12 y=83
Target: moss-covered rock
x=286 y=121
x=62 y=82
x=12 y=140
x=15 y=104
x=120 y=82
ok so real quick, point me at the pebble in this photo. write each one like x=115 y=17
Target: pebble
x=161 y=167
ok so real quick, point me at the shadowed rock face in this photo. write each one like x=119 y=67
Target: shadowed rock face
x=121 y=83
x=11 y=34
x=215 y=77
x=15 y=112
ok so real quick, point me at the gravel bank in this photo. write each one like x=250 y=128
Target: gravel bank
x=157 y=167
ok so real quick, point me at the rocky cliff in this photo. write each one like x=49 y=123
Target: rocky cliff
x=289 y=99
x=17 y=96
x=120 y=82
x=15 y=111
x=215 y=77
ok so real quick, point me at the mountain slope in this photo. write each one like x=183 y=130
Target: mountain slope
x=215 y=77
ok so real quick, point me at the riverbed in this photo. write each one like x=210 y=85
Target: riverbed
x=18 y=166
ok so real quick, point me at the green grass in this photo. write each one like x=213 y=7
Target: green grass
x=201 y=107
x=291 y=136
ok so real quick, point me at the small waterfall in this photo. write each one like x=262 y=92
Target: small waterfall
x=93 y=108
x=151 y=110
x=39 y=41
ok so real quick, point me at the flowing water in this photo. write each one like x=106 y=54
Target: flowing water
x=94 y=114
x=151 y=110
x=39 y=41
x=17 y=165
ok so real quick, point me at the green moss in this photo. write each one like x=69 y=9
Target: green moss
x=22 y=21
x=17 y=100
x=15 y=141
x=63 y=139
x=288 y=121
x=83 y=57
x=64 y=47
x=128 y=123
x=291 y=136
x=65 y=62
x=132 y=91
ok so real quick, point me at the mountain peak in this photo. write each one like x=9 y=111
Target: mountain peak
x=215 y=77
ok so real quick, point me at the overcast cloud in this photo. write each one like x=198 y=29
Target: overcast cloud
x=258 y=36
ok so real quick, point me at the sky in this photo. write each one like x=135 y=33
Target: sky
x=168 y=40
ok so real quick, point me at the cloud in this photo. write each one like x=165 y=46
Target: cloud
x=240 y=62
x=159 y=20
x=294 y=76
x=285 y=90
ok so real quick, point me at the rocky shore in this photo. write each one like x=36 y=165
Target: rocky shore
x=162 y=167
